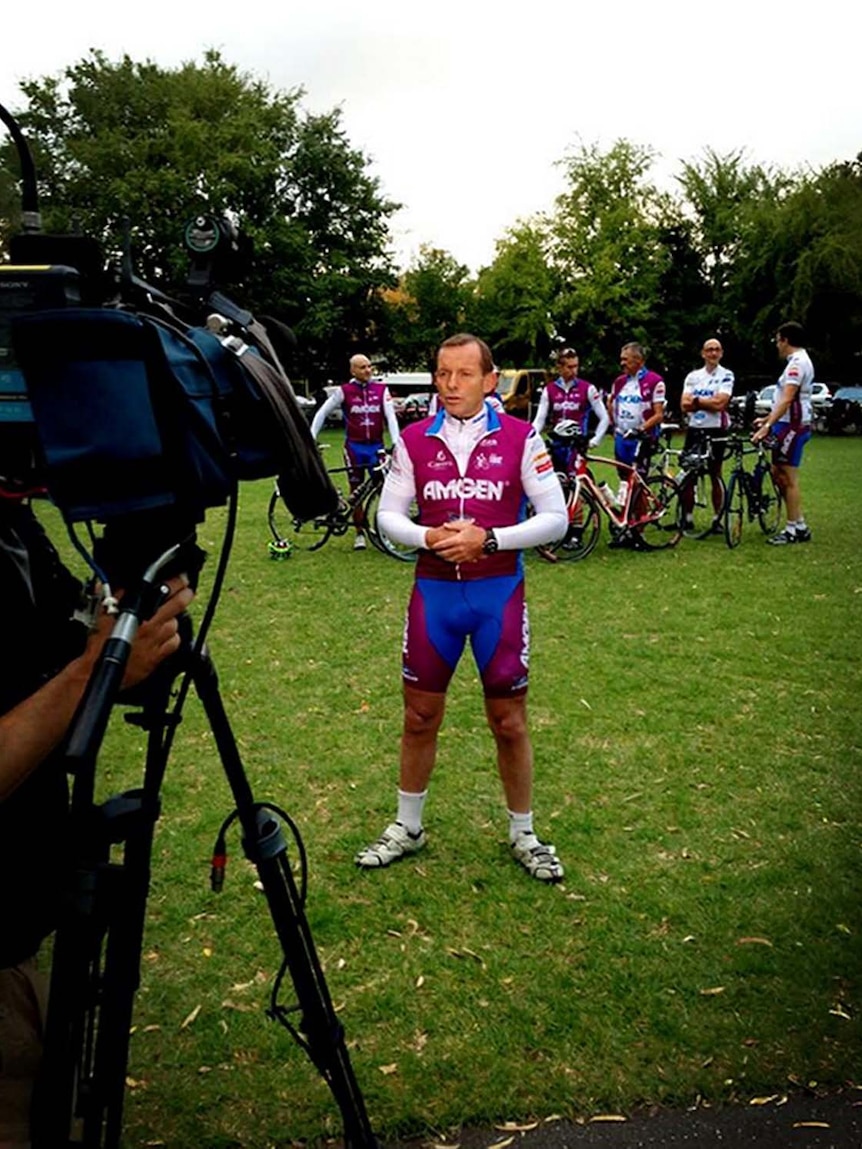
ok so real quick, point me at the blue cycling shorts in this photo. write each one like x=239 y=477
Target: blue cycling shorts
x=790 y=443
x=442 y=614
x=360 y=458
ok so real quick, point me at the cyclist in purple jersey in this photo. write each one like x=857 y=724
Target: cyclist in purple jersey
x=636 y=405
x=790 y=422
x=367 y=406
x=570 y=397
x=471 y=470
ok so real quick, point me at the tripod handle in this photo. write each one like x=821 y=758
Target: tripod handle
x=91 y=721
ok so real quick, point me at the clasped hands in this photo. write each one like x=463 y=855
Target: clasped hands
x=460 y=541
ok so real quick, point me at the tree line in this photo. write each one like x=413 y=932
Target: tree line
x=733 y=250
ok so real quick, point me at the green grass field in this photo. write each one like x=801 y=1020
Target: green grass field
x=697 y=729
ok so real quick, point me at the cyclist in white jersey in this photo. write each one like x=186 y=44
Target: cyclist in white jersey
x=705 y=400
x=789 y=422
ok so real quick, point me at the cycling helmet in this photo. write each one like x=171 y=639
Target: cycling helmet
x=566 y=429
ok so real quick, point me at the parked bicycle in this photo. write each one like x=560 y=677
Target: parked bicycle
x=751 y=494
x=311 y=534
x=702 y=491
x=647 y=519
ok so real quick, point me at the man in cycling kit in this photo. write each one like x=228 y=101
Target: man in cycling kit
x=790 y=422
x=569 y=397
x=471 y=470
x=705 y=400
x=636 y=405
x=366 y=404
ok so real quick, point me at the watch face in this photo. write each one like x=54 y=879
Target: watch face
x=490 y=545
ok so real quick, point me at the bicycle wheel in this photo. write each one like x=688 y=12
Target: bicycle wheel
x=697 y=494
x=734 y=510
x=657 y=522
x=583 y=530
x=770 y=502
x=289 y=532
x=381 y=540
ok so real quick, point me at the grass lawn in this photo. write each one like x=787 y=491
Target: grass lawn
x=697 y=723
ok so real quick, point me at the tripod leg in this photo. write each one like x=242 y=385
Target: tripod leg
x=95 y=973
x=96 y=963
x=265 y=846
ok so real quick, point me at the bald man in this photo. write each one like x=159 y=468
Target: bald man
x=705 y=403
x=366 y=405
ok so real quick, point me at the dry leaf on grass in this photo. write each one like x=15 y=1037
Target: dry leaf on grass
x=191 y=1017
x=514 y=1127
x=754 y=942
x=387 y=1069
x=713 y=992
x=765 y=1100
x=239 y=1006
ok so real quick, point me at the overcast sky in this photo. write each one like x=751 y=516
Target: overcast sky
x=464 y=107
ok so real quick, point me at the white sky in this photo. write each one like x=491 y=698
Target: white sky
x=464 y=107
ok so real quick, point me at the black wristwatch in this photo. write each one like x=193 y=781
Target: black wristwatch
x=490 y=546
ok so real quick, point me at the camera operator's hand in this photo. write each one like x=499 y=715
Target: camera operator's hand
x=157 y=638
x=36 y=726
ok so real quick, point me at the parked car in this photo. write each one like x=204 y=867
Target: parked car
x=307 y=406
x=820 y=396
x=845 y=411
x=520 y=389
x=409 y=408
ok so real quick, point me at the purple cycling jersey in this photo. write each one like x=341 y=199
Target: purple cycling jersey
x=490 y=491
x=363 y=410
x=569 y=403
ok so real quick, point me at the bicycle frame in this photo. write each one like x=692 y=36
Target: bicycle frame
x=703 y=493
x=338 y=521
x=752 y=494
x=622 y=519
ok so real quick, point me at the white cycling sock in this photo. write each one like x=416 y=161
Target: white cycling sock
x=520 y=824
x=410 y=807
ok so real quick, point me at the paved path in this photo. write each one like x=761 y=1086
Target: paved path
x=832 y=1122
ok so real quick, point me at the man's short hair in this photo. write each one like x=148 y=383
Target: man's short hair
x=793 y=332
x=566 y=353
x=464 y=339
x=638 y=349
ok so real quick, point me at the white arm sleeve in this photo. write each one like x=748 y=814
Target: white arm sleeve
x=541 y=412
x=398 y=493
x=391 y=418
x=601 y=413
x=335 y=398
x=545 y=493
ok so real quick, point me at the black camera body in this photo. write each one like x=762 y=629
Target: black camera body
x=128 y=406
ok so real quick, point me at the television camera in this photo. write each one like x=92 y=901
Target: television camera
x=135 y=411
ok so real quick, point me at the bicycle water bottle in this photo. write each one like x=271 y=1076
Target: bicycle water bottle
x=607 y=496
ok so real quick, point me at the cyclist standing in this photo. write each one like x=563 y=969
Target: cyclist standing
x=471 y=471
x=570 y=397
x=636 y=405
x=790 y=422
x=706 y=397
x=366 y=404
